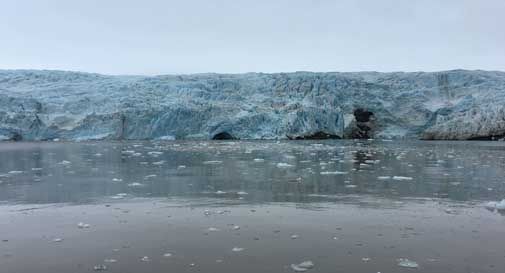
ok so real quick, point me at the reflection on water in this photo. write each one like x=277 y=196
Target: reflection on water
x=254 y=171
x=339 y=206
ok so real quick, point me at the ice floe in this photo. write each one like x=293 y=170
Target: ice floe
x=402 y=262
x=303 y=266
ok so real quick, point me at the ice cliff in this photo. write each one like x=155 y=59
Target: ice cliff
x=459 y=104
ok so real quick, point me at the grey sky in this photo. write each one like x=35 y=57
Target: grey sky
x=190 y=36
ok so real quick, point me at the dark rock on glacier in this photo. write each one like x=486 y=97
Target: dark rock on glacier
x=363 y=125
x=362 y=115
x=458 y=104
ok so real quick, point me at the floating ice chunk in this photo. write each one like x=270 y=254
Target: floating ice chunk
x=119 y=196
x=100 y=267
x=149 y=176
x=350 y=186
x=212 y=229
x=15 y=172
x=237 y=249
x=181 y=167
x=117 y=179
x=212 y=162
x=366 y=259
x=236 y=227
x=303 y=266
x=491 y=205
x=65 y=162
x=58 y=240
x=110 y=260
x=407 y=263
x=145 y=259
x=242 y=193
x=402 y=177
x=159 y=162
x=220 y=192
x=36 y=169
x=83 y=225
x=384 y=177
x=450 y=211
x=167 y=255
x=332 y=173
x=501 y=205
x=258 y=160
x=284 y=165
x=294 y=236
x=135 y=184
x=156 y=153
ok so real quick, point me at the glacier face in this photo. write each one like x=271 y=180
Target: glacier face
x=458 y=104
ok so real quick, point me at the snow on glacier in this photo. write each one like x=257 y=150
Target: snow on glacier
x=44 y=105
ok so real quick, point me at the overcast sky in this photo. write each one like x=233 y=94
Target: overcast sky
x=234 y=36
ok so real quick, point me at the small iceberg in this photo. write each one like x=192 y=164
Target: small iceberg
x=492 y=206
x=332 y=173
x=212 y=162
x=303 y=266
x=284 y=165
x=407 y=263
x=100 y=267
x=64 y=162
x=119 y=196
x=402 y=177
x=83 y=225
x=135 y=185
x=212 y=229
x=145 y=259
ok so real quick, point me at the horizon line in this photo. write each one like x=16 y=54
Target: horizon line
x=245 y=73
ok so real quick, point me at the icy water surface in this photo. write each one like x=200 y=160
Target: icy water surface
x=300 y=206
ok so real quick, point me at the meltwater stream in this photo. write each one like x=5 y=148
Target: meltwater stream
x=259 y=206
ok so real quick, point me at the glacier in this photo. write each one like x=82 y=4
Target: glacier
x=446 y=105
